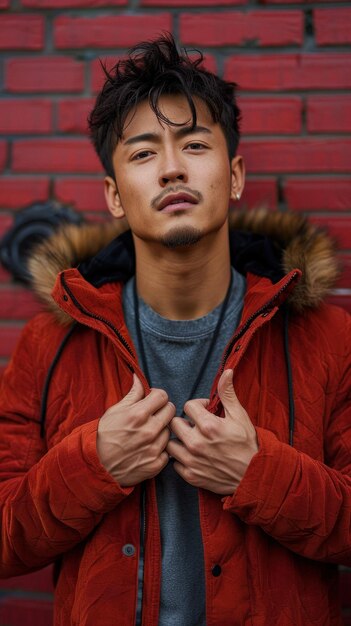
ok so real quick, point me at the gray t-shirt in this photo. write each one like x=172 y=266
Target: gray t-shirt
x=175 y=350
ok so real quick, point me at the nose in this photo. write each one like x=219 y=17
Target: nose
x=172 y=169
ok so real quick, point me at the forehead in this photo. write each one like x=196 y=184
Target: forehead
x=174 y=107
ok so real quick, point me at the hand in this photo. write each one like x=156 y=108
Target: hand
x=214 y=452
x=133 y=434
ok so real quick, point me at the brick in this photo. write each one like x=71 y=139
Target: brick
x=327 y=194
x=209 y=62
x=16 y=193
x=4 y=4
x=298 y=155
x=339 y=228
x=3 y=154
x=84 y=194
x=343 y=301
x=108 y=31
x=23 y=612
x=21 y=32
x=332 y=26
x=8 y=339
x=264 y=28
x=193 y=3
x=25 y=116
x=40 y=581
x=298 y=1
x=72 y=4
x=43 y=74
x=54 y=155
x=97 y=73
x=5 y=223
x=18 y=304
x=329 y=114
x=98 y=76
x=73 y=114
x=270 y=115
x=259 y=192
x=344 y=282
x=281 y=72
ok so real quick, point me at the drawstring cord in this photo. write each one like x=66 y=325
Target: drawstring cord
x=287 y=362
x=289 y=374
x=49 y=377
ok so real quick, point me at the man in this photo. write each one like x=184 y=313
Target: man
x=164 y=495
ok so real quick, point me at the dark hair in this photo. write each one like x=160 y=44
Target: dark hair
x=153 y=69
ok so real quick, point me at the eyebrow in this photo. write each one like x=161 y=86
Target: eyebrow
x=155 y=137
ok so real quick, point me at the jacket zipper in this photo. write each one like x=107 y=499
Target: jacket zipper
x=123 y=341
x=140 y=585
x=263 y=309
x=100 y=319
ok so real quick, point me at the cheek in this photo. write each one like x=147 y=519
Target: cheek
x=131 y=195
x=219 y=177
x=220 y=186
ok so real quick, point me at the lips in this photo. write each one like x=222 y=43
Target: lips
x=177 y=198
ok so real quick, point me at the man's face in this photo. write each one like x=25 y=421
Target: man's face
x=173 y=185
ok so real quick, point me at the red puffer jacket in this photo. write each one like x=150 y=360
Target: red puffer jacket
x=276 y=541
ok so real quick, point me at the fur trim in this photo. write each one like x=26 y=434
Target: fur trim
x=66 y=248
x=305 y=247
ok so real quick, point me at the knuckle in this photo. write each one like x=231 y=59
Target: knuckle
x=161 y=462
x=165 y=436
x=193 y=446
x=154 y=449
x=188 y=405
x=209 y=428
x=149 y=434
x=138 y=413
x=189 y=475
x=171 y=408
x=160 y=395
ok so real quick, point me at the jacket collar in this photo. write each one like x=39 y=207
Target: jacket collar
x=264 y=244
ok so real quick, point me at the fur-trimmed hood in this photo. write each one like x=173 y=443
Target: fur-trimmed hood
x=270 y=243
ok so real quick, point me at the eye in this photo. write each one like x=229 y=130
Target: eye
x=195 y=145
x=141 y=155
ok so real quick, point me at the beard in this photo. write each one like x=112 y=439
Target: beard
x=181 y=237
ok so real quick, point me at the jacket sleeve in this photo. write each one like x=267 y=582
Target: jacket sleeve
x=49 y=500
x=303 y=503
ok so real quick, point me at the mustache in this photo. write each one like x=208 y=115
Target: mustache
x=178 y=188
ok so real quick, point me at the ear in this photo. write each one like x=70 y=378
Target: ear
x=112 y=198
x=237 y=178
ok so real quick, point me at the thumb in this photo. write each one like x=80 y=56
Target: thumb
x=226 y=391
x=135 y=393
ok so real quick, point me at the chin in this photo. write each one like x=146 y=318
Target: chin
x=181 y=237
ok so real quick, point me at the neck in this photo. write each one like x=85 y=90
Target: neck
x=184 y=283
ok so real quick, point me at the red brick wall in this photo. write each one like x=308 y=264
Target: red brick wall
x=292 y=61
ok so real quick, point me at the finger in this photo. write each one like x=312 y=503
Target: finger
x=164 y=415
x=163 y=460
x=183 y=472
x=196 y=410
x=136 y=392
x=177 y=451
x=226 y=391
x=155 y=400
x=162 y=439
x=181 y=428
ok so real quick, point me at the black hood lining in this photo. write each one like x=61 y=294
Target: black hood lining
x=249 y=252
